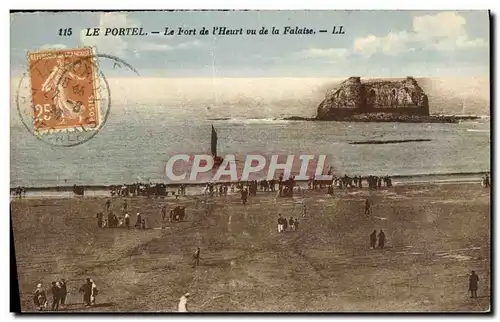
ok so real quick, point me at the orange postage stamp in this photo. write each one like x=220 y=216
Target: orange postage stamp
x=64 y=90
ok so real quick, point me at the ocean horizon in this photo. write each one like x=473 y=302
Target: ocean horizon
x=137 y=149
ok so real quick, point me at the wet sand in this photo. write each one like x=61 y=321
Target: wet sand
x=436 y=234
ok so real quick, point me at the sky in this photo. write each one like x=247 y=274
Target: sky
x=375 y=43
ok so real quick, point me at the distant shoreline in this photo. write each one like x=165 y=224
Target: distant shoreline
x=376 y=118
x=389 y=141
x=389 y=118
x=402 y=178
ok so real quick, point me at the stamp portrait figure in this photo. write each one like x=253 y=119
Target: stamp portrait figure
x=64 y=106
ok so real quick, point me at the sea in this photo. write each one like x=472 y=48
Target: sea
x=134 y=147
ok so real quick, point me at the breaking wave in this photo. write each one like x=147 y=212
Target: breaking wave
x=476 y=130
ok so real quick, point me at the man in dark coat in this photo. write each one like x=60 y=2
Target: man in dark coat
x=110 y=219
x=56 y=296
x=473 y=280
x=381 y=239
x=100 y=217
x=367 y=207
x=196 y=257
x=138 y=222
x=373 y=239
x=244 y=196
x=64 y=291
x=86 y=289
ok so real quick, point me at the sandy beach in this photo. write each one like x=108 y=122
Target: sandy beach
x=436 y=234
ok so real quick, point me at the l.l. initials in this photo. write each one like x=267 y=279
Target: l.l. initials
x=338 y=30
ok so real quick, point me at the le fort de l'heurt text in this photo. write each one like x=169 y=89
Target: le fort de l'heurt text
x=217 y=31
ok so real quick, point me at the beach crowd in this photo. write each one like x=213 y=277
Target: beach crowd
x=59 y=293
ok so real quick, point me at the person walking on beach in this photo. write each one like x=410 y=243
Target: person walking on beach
x=304 y=211
x=93 y=292
x=110 y=219
x=125 y=206
x=56 y=296
x=64 y=292
x=182 y=307
x=280 y=224
x=291 y=223
x=108 y=204
x=473 y=281
x=138 y=222
x=373 y=239
x=164 y=215
x=120 y=222
x=100 y=217
x=486 y=181
x=296 y=224
x=86 y=289
x=244 y=196
x=40 y=297
x=367 y=207
x=127 y=220
x=282 y=221
x=196 y=257
x=381 y=239
x=164 y=211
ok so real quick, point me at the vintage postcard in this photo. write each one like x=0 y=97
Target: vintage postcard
x=251 y=161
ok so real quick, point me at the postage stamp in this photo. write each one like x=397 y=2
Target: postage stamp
x=64 y=91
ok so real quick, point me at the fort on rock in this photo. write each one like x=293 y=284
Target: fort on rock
x=403 y=97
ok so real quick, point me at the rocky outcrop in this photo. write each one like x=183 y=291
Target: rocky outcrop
x=378 y=96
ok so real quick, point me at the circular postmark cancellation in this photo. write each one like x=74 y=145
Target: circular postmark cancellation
x=64 y=99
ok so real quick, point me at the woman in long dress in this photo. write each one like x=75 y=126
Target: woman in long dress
x=93 y=292
x=40 y=297
x=183 y=303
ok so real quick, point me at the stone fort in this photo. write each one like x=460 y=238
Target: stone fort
x=374 y=96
